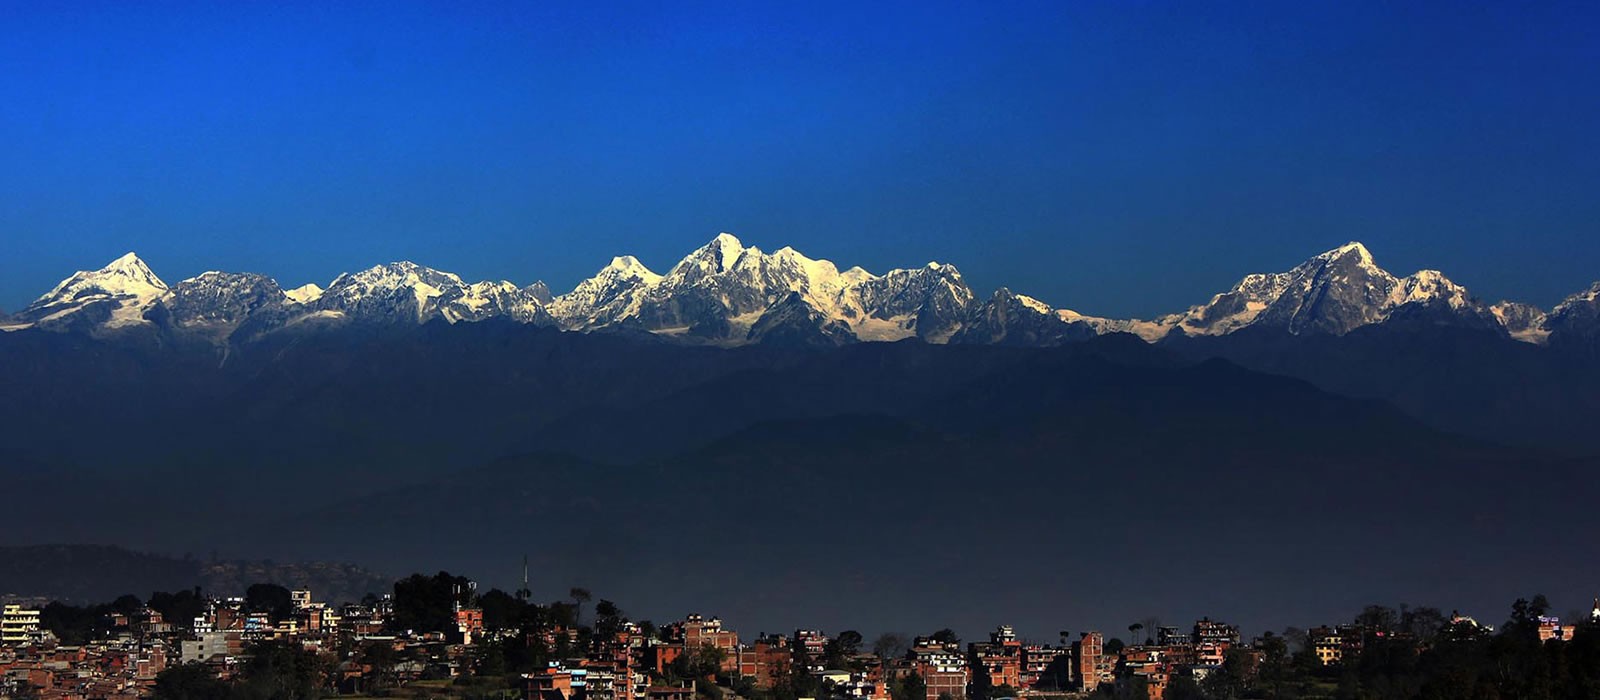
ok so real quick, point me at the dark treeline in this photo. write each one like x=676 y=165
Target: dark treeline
x=75 y=624
x=1410 y=654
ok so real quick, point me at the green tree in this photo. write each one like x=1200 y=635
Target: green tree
x=1183 y=686
x=502 y=611
x=72 y=624
x=189 y=682
x=269 y=598
x=1277 y=672
x=608 y=619
x=282 y=670
x=700 y=664
x=380 y=658
x=890 y=645
x=1229 y=680
x=127 y=604
x=427 y=603
x=909 y=687
x=837 y=652
x=179 y=608
x=579 y=597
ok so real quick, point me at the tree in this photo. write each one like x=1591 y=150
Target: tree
x=1151 y=625
x=1139 y=688
x=189 y=682
x=1229 y=680
x=179 y=608
x=502 y=611
x=1275 y=672
x=127 y=604
x=269 y=598
x=700 y=664
x=1133 y=632
x=72 y=624
x=947 y=637
x=890 y=645
x=579 y=597
x=381 y=658
x=909 y=687
x=1183 y=687
x=1377 y=619
x=838 y=650
x=608 y=619
x=428 y=603
x=283 y=671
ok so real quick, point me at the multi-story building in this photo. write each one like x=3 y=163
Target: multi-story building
x=1045 y=667
x=469 y=623
x=1208 y=630
x=814 y=644
x=1171 y=637
x=1327 y=644
x=1551 y=628
x=1089 y=665
x=553 y=682
x=999 y=660
x=765 y=661
x=18 y=624
x=699 y=632
x=942 y=668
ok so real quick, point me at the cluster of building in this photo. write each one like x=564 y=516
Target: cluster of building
x=626 y=662
x=125 y=660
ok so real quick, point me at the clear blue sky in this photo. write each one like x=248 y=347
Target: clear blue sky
x=1121 y=158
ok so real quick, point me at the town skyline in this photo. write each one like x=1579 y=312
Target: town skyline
x=445 y=628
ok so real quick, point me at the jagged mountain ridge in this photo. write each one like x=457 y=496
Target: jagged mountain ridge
x=727 y=293
x=1334 y=293
x=722 y=291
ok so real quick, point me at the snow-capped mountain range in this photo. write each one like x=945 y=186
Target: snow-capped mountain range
x=727 y=293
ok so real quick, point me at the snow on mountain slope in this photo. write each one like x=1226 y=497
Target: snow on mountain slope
x=1015 y=319
x=612 y=295
x=931 y=302
x=1525 y=322
x=727 y=293
x=218 y=302
x=399 y=290
x=1335 y=292
x=718 y=292
x=484 y=300
x=408 y=292
x=540 y=291
x=1236 y=308
x=1150 y=331
x=795 y=322
x=114 y=296
x=305 y=293
x=1576 y=320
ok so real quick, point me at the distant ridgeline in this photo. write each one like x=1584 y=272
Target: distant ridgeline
x=96 y=573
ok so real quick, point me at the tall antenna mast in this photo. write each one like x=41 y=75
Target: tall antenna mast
x=524 y=593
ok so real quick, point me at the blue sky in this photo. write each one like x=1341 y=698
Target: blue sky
x=1120 y=158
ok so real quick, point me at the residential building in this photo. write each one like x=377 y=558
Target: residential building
x=18 y=625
